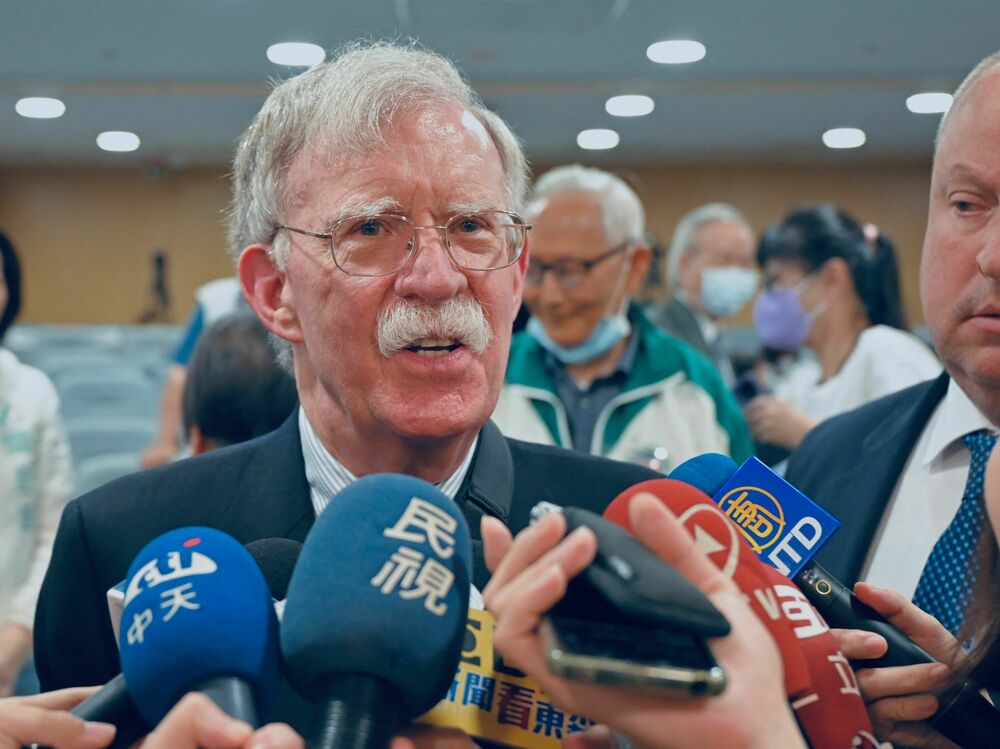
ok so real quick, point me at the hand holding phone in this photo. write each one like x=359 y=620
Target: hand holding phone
x=631 y=620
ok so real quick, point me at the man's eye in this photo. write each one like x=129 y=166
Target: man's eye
x=470 y=224
x=369 y=228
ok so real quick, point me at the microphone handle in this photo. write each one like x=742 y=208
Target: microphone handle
x=964 y=716
x=359 y=712
x=233 y=695
x=841 y=608
x=112 y=704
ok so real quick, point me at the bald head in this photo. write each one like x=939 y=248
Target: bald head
x=985 y=66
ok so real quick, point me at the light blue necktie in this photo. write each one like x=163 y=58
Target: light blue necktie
x=950 y=573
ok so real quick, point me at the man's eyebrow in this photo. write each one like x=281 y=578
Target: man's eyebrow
x=467 y=206
x=362 y=208
x=963 y=170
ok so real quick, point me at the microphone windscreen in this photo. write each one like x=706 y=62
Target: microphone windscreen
x=196 y=608
x=708 y=472
x=276 y=558
x=381 y=589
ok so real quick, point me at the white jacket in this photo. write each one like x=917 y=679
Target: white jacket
x=35 y=484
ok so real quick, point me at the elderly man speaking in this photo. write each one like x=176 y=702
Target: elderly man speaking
x=591 y=372
x=375 y=224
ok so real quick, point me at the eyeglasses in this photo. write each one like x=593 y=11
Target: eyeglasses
x=382 y=244
x=570 y=272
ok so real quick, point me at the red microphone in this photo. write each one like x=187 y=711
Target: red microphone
x=819 y=681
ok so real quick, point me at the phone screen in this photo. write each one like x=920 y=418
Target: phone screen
x=632 y=655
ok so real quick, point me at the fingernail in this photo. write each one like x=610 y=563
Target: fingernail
x=939 y=671
x=98 y=731
x=580 y=533
x=873 y=642
x=236 y=731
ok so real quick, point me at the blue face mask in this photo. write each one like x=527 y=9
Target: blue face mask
x=609 y=331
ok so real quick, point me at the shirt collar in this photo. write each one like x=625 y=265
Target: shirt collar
x=327 y=476
x=954 y=418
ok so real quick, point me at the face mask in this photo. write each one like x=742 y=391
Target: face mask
x=781 y=321
x=726 y=290
x=609 y=331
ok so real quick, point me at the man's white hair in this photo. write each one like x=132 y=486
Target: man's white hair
x=339 y=109
x=686 y=233
x=984 y=66
x=624 y=219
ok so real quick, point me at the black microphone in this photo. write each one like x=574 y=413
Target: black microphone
x=276 y=558
x=376 y=612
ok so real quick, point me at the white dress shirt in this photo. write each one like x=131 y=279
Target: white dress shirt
x=327 y=476
x=926 y=497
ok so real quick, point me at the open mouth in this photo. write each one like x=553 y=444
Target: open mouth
x=434 y=346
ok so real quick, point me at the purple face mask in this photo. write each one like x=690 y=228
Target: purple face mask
x=780 y=320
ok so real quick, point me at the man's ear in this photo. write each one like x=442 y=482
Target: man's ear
x=266 y=290
x=520 y=269
x=642 y=258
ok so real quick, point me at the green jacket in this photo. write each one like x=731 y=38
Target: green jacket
x=673 y=398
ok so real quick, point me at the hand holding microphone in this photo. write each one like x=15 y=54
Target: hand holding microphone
x=531 y=574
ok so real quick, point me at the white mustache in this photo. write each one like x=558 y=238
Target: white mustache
x=404 y=324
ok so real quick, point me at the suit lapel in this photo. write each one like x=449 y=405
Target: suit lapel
x=272 y=496
x=866 y=485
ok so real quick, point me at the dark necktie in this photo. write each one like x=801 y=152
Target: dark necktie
x=950 y=573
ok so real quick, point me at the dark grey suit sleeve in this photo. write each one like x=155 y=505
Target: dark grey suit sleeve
x=74 y=642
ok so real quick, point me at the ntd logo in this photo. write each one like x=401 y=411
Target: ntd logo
x=757 y=515
x=783 y=526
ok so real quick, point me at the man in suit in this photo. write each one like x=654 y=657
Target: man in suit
x=375 y=229
x=713 y=275
x=903 y=473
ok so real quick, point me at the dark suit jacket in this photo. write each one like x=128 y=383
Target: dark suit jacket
x=851 y=464
x=676 y=318
x=258 y=490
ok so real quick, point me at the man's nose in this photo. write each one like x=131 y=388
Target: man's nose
x=988 y=258
x=430 y=274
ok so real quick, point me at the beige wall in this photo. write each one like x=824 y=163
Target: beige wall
x=86 y=236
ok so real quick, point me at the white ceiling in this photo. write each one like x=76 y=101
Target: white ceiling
x=187 y=75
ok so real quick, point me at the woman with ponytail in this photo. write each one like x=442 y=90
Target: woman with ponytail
x=833 y=286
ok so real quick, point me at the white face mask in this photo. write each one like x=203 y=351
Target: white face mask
x=725 y=290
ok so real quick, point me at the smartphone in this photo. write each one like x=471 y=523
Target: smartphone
x=631 y=655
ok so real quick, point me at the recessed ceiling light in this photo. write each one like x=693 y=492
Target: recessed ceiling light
x=930 y=102
x=631 y=105
x=296 y=54
x=118 y=140
x=844 y=137
x=598 y=139
x=40 y=107
x=676 y=51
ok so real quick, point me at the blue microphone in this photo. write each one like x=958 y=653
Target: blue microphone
x=708 y=472
x=198 y=617
x=377 y=606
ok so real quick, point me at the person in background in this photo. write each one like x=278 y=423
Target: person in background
x=590 y=371
x=36 y=481
x=712 y=275
x=235 y=390
x=212 y=300
x=833 y=287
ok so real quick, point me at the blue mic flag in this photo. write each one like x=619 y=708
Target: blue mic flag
x=196 y=608
x=381 y=589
